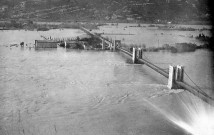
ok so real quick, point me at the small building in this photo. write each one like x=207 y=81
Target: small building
x=45 y=44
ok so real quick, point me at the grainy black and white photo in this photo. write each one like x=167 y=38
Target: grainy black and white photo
x=106 y=67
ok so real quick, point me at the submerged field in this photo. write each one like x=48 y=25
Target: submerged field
x=132 y=34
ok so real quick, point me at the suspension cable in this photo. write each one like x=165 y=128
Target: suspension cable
x=192 y=81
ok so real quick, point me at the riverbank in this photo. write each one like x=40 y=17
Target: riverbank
x=45 y=26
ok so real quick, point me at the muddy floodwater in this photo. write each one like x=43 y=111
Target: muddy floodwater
x=63 y=91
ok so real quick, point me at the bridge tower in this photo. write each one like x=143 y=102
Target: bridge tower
x=140 y=53
x=137 y=54
x=103 y=44
x=134 y=55
x=176 y=73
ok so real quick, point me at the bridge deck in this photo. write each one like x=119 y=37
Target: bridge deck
x=202 y=95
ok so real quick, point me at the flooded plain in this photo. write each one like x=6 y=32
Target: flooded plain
x=132 y=34
x=63 y=91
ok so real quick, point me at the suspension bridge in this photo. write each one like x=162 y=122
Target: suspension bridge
x=174 y=74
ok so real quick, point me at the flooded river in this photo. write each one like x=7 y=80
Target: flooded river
x=63 y=91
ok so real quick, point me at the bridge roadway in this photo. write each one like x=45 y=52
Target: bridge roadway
x=197 y=92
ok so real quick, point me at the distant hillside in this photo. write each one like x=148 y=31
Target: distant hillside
x=155 y=11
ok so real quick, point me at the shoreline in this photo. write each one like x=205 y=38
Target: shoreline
x=46 y=25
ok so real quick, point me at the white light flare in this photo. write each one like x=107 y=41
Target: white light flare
x=199 y=118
